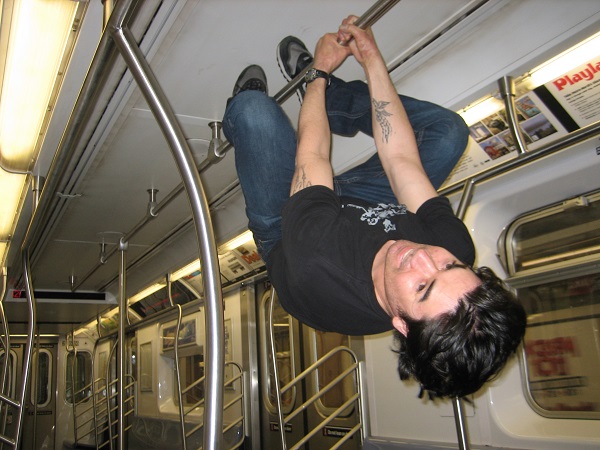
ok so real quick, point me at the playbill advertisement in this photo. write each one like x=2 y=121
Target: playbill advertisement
x=578 y=92
x=491 y=141
x=565 y=104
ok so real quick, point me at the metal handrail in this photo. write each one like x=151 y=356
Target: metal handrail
x=355 y=398
x=109 y=384
x=121 y=413
x=372 y=15
x=100 y=409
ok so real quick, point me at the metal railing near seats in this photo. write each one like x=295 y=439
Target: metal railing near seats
x=185 y=411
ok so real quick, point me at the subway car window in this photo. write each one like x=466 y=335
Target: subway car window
x=146 y=377
x=553 y=262
x=42 y=368
x=564 y=232
x=79 y=376
x=11 y=371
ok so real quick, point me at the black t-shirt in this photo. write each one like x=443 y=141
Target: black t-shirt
x=321 y=268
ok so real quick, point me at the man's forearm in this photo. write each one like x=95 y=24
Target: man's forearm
x=313 y=166
x=395 y=139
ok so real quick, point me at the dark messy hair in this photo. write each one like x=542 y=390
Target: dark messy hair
x=454 y=354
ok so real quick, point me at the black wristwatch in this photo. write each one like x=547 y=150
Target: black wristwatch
x=313 y=74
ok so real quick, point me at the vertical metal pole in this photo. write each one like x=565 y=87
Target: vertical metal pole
x=35 y=380
x=178 y=376
x=121 y=343
x=461 y=426
x=32 y=319
x=457 y=403
x=215 y=358
x=169 y=286
x=465 y=199
x=73 y=354
x=507 y=91
x=276 y=371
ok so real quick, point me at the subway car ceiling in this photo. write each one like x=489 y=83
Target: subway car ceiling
x=121 y=171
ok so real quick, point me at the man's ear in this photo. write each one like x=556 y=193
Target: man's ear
x=400 y=325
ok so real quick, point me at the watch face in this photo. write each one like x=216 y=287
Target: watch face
x=313 y=74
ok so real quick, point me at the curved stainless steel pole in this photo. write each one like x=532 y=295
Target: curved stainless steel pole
x=215 y=359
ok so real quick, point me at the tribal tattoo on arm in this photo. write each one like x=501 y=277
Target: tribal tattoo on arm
x=300 y=180
x=381 y=118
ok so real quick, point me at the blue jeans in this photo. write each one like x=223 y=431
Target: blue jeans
x=265 y=150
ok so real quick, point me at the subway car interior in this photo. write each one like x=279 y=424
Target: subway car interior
x=136 y=311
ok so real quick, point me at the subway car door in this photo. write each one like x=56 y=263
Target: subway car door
x=297 y=348
x=38 y=419
x=40 y=411
x=287 y=340
x=8 y=415
x=333 y=395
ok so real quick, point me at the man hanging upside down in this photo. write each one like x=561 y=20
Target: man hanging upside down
x=375 y=248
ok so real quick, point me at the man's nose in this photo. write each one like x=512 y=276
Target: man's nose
x=423 y=261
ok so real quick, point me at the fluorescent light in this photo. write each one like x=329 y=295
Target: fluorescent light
x=481 y=110
x=236 y=242
x=192 y=267
x=39 y=32
x=145 y=293
x=566 y=61
x=34 y=38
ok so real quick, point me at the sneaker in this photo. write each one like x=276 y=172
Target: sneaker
x=293 y=57
x=252 y=78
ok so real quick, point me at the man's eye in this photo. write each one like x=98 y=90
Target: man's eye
x=450 y=265
x=421 y=287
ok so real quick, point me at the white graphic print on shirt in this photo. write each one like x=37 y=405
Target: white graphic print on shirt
x=380 y=214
